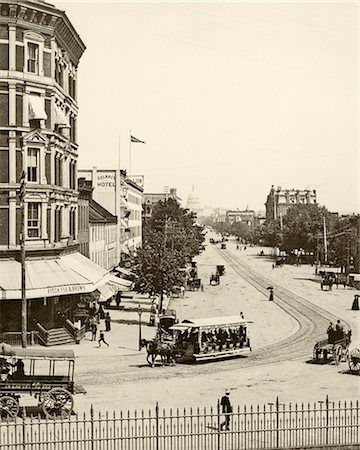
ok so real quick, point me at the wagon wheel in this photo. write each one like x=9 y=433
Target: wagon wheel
x=345 y=354
x=337 y=354
x=354 y=364
x=9 y=407
x=57 y=402
x=316 y=352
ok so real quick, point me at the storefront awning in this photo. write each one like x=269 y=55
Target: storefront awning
x=119 y=283
x=36 y=108
x=124 y=271
x=106 y=292
x=124 y=249
x=49 y=277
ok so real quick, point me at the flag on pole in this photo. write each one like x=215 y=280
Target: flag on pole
x=136 y=140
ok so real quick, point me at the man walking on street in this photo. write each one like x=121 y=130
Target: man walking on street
x=226 y=410
x=102 y=339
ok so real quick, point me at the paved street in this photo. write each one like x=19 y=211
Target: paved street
x=118 y=377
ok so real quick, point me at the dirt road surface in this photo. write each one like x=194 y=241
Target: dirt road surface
x=282 y=336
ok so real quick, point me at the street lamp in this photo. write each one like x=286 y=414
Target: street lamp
x=139 y=312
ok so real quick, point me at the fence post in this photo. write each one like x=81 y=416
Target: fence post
x=327 y=419
x=23 y=416
x=92 y=427
x=157 y=425
x=277 y=422
x=219 y=425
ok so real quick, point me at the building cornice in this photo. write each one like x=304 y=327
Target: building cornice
x=52 y=21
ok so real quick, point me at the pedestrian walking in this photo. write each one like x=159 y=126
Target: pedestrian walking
x=355 y=305
x=93 y=331
x=226 y=409
x=271 y=296
x=102 y=339
x=107 y=322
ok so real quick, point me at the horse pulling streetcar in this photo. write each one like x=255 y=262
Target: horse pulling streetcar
x=47 y=375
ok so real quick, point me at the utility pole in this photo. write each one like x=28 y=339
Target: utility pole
x=23 y=262
x=325 y=242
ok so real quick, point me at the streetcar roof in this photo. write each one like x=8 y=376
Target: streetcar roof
x=226 y=321
x=36 y=353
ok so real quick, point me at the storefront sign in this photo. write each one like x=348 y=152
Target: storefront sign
x=105 y=181
x=137 y=179
x=72 y=289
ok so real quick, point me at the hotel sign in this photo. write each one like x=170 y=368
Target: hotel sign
x=105 y=180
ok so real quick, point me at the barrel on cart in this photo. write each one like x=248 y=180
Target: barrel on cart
x=45 y=374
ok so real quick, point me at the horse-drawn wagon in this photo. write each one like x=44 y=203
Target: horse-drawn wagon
x=214 y=279
x=194 y=284
x=45 y=374
x=332 y=349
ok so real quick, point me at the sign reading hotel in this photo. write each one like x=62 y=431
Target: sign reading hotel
x=105 y=181
x=138 y=179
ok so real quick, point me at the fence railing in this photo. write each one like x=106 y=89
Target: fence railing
x=15 y=338
x=274 y=425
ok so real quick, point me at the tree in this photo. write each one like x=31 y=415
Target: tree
x=271 y=234
x=171 y=238
x=302 y=225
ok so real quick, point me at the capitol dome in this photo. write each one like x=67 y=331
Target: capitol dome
x=193 y=202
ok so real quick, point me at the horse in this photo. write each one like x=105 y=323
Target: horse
x=155 y=348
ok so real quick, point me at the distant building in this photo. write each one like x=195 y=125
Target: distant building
x=247 y=217
x=151 y=199
x=193 y=202
x=102 y=236
x=85 y=193
x=122 y=196
x=280 y=200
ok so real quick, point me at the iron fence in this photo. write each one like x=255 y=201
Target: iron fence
x=275 y=425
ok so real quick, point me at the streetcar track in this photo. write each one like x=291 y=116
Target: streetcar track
x=312 y=320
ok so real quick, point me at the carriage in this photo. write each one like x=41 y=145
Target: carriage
x=214 y=279
x=354 y=360
x=223 y=246
x=194 y=284
x=45 y=374
x=210 y=339
x=220 y=269
x=332 y=349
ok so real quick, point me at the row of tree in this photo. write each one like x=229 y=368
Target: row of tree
x=302 y=230
x=171 y=238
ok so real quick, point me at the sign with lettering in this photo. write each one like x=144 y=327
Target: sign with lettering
x=138 y=179
x=70 y=289
x=105 y=180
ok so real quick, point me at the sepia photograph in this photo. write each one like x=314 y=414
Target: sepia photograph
x=179 y=225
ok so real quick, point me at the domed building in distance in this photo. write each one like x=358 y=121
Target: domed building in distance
x=193 y=202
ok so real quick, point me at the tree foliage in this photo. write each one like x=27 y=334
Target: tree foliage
x=171 y=238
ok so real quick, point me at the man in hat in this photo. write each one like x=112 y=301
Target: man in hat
x=226 y=410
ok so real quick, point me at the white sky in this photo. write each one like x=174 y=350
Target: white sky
x=230 y=97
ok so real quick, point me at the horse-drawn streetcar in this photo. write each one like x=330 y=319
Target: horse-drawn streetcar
x=212 y=338
x=45 y=374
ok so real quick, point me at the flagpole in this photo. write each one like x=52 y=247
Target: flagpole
x=129 y=152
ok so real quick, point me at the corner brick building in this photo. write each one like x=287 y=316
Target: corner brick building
x=39 y=56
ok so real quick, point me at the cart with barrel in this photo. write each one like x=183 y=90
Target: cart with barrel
x=45 y=374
